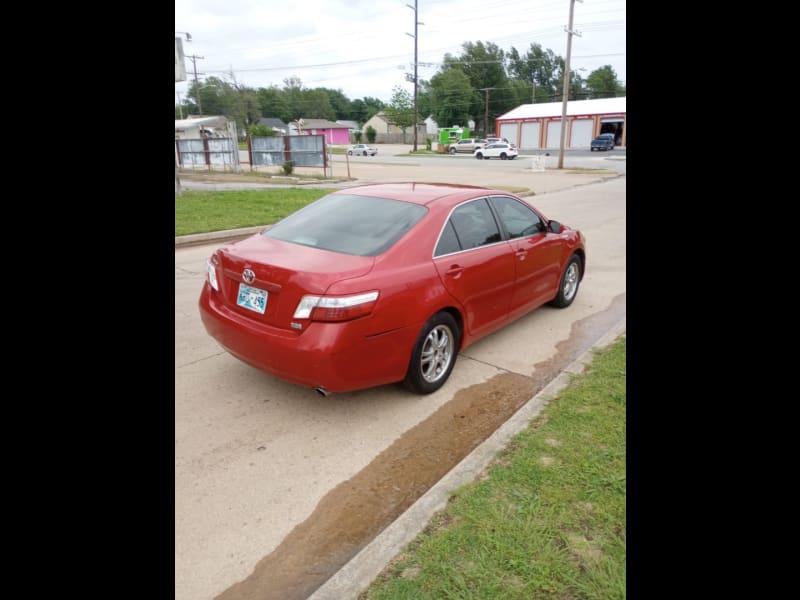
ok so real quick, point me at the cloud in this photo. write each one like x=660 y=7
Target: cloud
x=365 y=47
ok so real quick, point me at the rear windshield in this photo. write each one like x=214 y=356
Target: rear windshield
x=360 y=225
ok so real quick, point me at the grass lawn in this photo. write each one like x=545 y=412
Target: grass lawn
x=548 y=521
x=200 y=212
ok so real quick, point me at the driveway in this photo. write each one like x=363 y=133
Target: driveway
x=277 y=487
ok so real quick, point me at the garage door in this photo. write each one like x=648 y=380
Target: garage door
x=581 y=136
x=530 y=136
x=509 y=131
x=553 y=135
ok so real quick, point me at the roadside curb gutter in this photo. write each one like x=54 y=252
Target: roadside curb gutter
x=357 y=575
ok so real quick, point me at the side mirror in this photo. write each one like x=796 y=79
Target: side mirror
x=554 y=226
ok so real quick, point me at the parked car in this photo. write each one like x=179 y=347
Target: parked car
x=494 y=140
x=384 y=283
x=499 y=150
x=604 y=141
x=467 y=145
x=363 y=150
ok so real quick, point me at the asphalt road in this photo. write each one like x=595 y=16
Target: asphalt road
x=276 y=486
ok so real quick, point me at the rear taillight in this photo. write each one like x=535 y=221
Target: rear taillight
x=335 y=308
x=211 y=272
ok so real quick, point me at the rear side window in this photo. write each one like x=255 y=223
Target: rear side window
x=470 y=225
x=360 y=225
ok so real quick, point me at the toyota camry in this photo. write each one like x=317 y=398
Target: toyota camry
x=386 y=283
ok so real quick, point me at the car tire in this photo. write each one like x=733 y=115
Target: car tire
x=503 y=156
x=452 y=150
x=570 y=281
x=350 y=152
x=479 y=156
x=434 y=354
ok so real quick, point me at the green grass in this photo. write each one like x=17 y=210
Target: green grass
x=200 y=212
x=548 y=522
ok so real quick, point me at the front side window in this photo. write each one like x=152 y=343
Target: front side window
x=474 y=225
x=519 y=220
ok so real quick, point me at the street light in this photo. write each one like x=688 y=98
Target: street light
x=187 y=34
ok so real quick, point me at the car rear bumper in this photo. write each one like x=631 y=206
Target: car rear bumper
x=339 y=357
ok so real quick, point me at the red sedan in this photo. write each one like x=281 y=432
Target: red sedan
x=384 y=283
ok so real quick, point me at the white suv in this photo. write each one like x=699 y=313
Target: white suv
x=499 y=150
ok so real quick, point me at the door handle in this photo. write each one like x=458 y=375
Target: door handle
x=522 y=254
x=455 y=271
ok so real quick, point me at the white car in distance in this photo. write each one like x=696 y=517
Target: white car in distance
x=362 y=150
x=499 y=150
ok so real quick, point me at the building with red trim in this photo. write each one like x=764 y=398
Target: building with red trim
x=535 y=126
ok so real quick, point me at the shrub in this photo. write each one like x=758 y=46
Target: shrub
x=371 y=134
x=288 y=167
x=357 y=136
x=261 y=130
x=429 y=143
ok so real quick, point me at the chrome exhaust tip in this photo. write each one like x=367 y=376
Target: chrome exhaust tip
x=322 y=391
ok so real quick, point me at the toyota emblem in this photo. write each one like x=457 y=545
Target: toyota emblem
x=248 y=276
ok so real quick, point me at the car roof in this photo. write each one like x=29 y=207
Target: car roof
x=422 y=193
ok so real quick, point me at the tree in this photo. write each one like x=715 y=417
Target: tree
x=293 y=93
x=342 y=107
x=602 y=83
x=538 y=66
x=371 y=134
x=450 y=98
x=317 y=105
x=244 y=106
x=364 y=109
x=273 y=103
x=214 y=95
x=424 y=101
x=401 y=109
x=484 y=66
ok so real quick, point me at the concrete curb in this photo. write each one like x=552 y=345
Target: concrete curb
x=217 y=236
x=356 y=576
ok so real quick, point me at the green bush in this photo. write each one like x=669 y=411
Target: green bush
x=371 y=134
x=288 y=167
x=357 y=136
x=261 y=130
x=429 y=143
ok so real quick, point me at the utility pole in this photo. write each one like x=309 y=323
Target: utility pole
x=180 y=106
x=533 y=91
x=416 y=79
x=486 y=112
x=566 y=84
x=196 y=83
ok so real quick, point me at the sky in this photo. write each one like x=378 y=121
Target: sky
x=366 y=47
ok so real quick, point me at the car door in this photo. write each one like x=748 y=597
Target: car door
x=476 y=266
x=536 y=254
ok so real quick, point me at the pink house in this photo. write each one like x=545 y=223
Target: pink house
x=334 y=132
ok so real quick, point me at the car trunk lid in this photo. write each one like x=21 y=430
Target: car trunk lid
x=264 y=278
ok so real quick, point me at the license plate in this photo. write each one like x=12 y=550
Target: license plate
x=252 y=298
